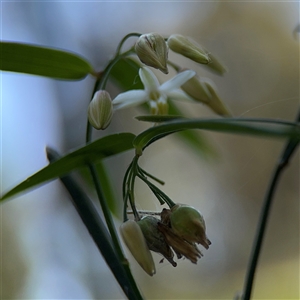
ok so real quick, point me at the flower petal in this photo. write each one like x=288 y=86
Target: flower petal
x=149 y=79
x=177 y=81
x=130 y=98
x=179 y=95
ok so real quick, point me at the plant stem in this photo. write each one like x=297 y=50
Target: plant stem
x=112 y=230
x=99 y=233
x=282 y=163
x=105 y=210
x=100 y=84
x=125 y=38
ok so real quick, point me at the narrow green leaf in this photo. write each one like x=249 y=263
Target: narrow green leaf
x=106 y=183
x=158 y=118
x=270 y=128
x=91 y=153
x=37 y=60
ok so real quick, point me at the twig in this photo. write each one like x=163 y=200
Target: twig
x=257 y=244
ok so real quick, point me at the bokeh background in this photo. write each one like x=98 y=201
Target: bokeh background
x=46 y=253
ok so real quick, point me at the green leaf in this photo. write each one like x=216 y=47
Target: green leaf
x=126 y=74
x=158 y=118
x=91 y=153
x=270 y=128
x=106 y=183
x=37 y=60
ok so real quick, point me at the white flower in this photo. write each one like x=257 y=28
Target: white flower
x=154 y=93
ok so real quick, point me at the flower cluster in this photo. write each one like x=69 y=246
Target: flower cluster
x=152 y=50
x=178 y=231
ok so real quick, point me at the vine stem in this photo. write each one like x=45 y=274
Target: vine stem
x=257 y=244
x=100 y=84
x=94 y=224
x=112 y=231
x=103 y=76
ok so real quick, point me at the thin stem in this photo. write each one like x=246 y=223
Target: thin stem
x=176 y=67
x=112 y=230
x=99 y=233
x=108 y=68
x=282 y=163
x=157 y=192
x=106 y=211
x=124 y=39
x=131 y=184
x=100 y=84
x=151 y=176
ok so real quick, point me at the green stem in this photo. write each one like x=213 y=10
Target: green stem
x=105 y=210
x=176 y=67
x=157 y=192
x=99 y=233
x=100 y=84
x=112 y=230
x=125 y=38
x=151 y=176
x=257 y=244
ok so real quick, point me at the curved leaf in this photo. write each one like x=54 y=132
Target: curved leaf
x=37 y=60
x=104 y=147
x=271 y=128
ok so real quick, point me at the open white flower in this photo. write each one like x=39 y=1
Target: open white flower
x=154 y=93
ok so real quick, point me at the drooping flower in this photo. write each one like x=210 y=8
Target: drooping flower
x=152 y=50
x=155 y=239
x=188 y=223
x=154 y=93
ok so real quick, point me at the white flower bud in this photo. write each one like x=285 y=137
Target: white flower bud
x=203 y=91
x=100 y=110
x=197 y=90
x=152 y=50
x=134 y=239
x=182 y=45
x=215 y=103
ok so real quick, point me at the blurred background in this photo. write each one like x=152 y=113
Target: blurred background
x=46 y=253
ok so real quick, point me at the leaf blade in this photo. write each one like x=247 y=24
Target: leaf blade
x=229 y=125
x=42 y=61
x=102 y=148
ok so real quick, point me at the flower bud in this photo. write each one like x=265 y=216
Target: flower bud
x=100 y=110
x=136 y=243
x=203 y=91
x=215 y=103
x=197 y=90
x=182 y=45
x=155 y=239
x=215 y=65
x=152 y=50
x=188 y=223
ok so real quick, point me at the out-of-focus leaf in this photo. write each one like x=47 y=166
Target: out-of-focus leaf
x=268 y=128
x=126 y=74
x=42 y=61
x=91 y=153
x=196 y=140
x=106 y=183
